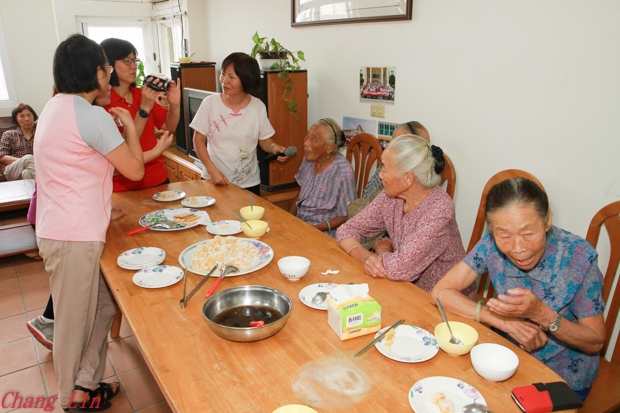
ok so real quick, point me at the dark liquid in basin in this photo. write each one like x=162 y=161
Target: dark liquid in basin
x=243 y=315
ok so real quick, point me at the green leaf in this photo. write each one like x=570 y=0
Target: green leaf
x=280 y=75
x=256 y=38
x=254 y=51
x=300 y=54
x=289 y=88
x=293 y=106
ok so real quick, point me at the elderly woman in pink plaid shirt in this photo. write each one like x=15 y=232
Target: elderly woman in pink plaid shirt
x=424 y=240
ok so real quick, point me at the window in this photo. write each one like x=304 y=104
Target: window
x=169 y=51
x=7 y=90
x=137 y=32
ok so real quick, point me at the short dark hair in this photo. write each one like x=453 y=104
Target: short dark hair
x=117 y=49
x=76 y=63
x=517 y=191
x=19 y=109
x=246 y=69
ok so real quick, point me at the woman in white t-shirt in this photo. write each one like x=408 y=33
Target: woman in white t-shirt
x=228 y=126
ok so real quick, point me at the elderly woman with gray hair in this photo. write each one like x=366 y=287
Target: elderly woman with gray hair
x=419 y=217
x=326 y=179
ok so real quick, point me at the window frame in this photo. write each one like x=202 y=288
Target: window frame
x=5 y=66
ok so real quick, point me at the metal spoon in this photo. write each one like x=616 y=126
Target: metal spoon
x=319 y=298
x=239 y=216
x=251 y=206
x=167 y=224
x=476 y=408
x=453 y=339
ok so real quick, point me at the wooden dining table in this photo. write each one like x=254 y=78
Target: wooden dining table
x=16 y=194
x=304 y=363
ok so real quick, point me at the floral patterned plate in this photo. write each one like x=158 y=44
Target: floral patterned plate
x=264 y=257
x=142 y=257
x=226 y=227
x=306 y=294
x=422 y=394
x=198 y=201
x=154 y=217
x=158 y=277
x=410 y=344
x=169 y=196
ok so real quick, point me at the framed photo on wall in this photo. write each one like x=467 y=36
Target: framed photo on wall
x=307 y=12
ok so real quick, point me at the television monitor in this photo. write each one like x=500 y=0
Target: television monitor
x=192 y=100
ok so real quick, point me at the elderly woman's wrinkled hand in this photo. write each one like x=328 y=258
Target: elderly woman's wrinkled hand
x=383 y=245
x=374 y=266
x=529 y=336
x=519 y=303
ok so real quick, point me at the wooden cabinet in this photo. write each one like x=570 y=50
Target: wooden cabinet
x=180 y=168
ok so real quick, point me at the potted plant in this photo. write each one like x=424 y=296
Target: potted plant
x=274 y=56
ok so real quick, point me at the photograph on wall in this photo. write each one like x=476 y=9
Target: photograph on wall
x=377 y=84
x=354 y=126
x=386 y=130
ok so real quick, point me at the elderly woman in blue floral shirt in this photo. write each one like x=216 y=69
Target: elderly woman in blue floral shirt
x=548 y=282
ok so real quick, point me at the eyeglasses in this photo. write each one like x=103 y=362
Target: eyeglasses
x=128 y=61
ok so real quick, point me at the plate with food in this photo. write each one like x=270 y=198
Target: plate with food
x=169 y=196
x=141 y=257
x=408 y=344
x=226 y=227
x=309 y=291
x=198 y=201
x=442 y=394
x=247 y=255
x=158 y=277
x=184 y=217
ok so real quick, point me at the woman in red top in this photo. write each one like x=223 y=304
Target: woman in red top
x=147 y=113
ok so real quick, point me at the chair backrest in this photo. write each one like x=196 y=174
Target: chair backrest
x=609 y=216
x=366 y=150
x=476 y=234
x=449 y=174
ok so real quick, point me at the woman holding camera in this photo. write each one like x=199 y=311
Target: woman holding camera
x=228 y=127
x=147 y=113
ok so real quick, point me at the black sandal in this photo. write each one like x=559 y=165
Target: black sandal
x=103 y=404
x=106 y=389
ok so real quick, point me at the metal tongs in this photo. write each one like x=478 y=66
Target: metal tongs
x=185 y=300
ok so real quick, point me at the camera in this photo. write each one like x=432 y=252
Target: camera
x=158 y=83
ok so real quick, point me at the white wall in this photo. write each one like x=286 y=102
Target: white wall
x=525 y=84
x=33 y=29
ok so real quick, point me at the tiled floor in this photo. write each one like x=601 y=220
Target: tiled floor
x=28 y=368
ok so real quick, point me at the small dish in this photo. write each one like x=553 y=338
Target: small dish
x=226 y=227
x=158 y=277
x=409 y=344
x=423 y=392
x=169 y=196
x=306 y=294
x=141 y=257
x=198 y=201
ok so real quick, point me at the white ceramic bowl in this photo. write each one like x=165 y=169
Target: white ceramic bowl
x=294 y=267
x=494 y=362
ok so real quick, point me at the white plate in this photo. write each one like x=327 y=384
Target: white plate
x=142 y=257
x=226 y=227
x=458 y=391
x=198 y=201
x=410 y=344
x=265 y=255
x=306 y=294
x=169 y=196
x=158 y=277
x=163 y=214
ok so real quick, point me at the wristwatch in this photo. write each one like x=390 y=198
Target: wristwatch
x=143 y=113
x=555 y=324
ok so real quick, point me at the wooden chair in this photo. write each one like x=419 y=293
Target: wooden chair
x=366 y=150
x=449 y=174
x=604 y=396
x=476 y=234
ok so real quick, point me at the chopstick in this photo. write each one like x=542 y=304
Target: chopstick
x=372 y=343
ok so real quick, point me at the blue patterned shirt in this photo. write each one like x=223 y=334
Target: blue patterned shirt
x=567 y=279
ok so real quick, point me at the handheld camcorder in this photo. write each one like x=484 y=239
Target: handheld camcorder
x=158 y=83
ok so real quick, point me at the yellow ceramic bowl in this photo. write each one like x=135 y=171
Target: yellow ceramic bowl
x=467 y=334
x=255 y=212
x=257 y=230
x=185 y=59
x=294 y=408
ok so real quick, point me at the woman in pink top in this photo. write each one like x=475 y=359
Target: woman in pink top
x=419 y=217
